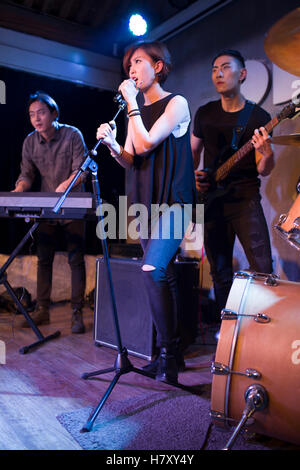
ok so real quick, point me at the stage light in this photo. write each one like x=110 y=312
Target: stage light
x=137 y=25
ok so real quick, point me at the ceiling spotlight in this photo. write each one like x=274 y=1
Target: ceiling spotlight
x=137 y=25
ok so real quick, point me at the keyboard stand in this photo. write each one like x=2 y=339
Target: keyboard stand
x=3 y=280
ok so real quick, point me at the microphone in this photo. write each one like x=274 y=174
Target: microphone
x=119 y=98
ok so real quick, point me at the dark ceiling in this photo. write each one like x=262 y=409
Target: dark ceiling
x=97 y=25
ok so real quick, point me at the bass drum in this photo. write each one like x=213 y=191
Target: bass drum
x=259 y=343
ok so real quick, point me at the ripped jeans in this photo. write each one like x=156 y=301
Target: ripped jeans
x=159 y=273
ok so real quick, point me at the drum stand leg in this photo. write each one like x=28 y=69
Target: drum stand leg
x=256 y=399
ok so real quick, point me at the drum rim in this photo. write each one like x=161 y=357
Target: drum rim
x=249 y=278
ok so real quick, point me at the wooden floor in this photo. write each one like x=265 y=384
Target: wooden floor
x=37 y=386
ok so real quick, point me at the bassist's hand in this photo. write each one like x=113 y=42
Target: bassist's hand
x=202 y=183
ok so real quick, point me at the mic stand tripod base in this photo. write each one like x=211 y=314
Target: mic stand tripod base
x=122 y=366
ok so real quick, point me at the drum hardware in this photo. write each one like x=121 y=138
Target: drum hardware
x=270 y=279
x=217 y=416
x=221 y=418
x=226 y=422
x=296 y=222
x=292 y=236
x=294 y=239
x=282 y=219
x=221 y=369
x=227 y=314
x=256 y=398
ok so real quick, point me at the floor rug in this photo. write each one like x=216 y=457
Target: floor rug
x=165 y=420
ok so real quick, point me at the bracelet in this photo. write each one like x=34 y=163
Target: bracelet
x=136 y=110
x=137 y=113
x=119 y=154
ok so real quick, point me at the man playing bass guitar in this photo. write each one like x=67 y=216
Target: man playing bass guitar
x=221 y=127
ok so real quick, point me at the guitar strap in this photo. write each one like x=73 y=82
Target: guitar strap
x=241 y=124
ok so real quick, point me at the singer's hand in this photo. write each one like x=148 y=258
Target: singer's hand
x=107 y=132
x=129 y=90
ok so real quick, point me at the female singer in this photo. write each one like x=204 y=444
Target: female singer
x=157 y=148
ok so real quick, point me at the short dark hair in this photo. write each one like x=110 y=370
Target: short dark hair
x=156 y=50
x=44 y=98
x=232 y=52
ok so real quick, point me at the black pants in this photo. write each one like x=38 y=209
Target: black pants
x=47 y=236
x=243 y=219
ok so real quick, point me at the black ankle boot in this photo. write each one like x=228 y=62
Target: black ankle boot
x=152 y=367
x=77 y=322
x=167 y=370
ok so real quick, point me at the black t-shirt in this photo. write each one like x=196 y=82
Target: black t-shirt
x=215 y=127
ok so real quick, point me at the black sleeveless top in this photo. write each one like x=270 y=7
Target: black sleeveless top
x=166 y=175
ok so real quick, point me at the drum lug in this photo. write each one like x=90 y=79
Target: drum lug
x=293 y=238
x=217 y=416
x=296 y=222
x=221 y=369
x=243 y=274
x=282 y=219
x=262 y=318
x=271 y=280
x=227 y=314
x=221 y=419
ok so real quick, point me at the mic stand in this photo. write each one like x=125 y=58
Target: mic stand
x=122 y=363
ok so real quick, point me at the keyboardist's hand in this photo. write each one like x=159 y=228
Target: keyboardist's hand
x=62 y=187
x=21 y=187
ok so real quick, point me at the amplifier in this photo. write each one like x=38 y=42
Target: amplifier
x=133 y=306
